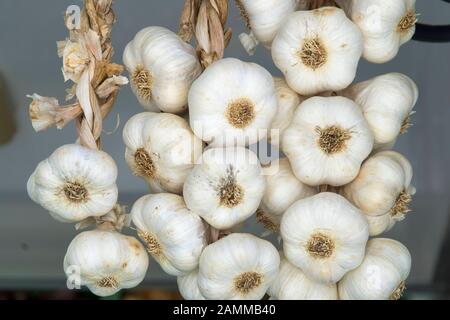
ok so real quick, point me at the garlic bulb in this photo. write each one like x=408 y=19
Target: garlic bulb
x=238 y=267
x=282 y=190
x=174 y=236
x=292 y=284
x=188 y=286
x=264 y=18
x=382 y=190
x=381 y=275
x=75 y=183
x=232 y=103
x=327 y=141
x=385 y=25
x=325 y=236
x=161 y=148
x=106 y=261
x=387 y=103
x=162 y=68
x=318 y=50
x=226 y=187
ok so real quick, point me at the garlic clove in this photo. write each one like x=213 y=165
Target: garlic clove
x=188 y=286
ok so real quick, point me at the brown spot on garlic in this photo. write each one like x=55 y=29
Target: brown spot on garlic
x=243 y=13
x=313 y=53
x=247 y=281
x=401 y=204
x=407 y=22
x=75 y=192
x=108 y=282
x=153 y=245
x=333 y=139
x=240 y=113
x=406 y=125
x=264 y=219
x=398 y=292
x=144 y=163
x=143 y=81
x=320 y=246
x=229 y=192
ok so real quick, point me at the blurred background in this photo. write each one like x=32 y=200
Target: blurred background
x=32 y=244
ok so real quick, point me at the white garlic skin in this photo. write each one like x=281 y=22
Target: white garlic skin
x=170 y=145
x=223 y=85
x=171 y=63
x=188 y=286
x=329 y=216
x=178 y=232
x=341 y=46
x=386 y=265
x=224 y=261
x=300 y=142
x=291 y=283
x=226 y=188
x=387 y=102
x=107 y=261
x=379 y=22
x=89 y=174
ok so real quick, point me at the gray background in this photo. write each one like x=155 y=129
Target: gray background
x=32 y=245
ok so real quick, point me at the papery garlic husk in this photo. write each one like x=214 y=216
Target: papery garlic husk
x=162 y=68
x=318 y=50
x=105 y=261
x=385 y=25
x=226 y=187
x=327 y=141
x=282 y=190
x=162 y=149
x=382 y=190
x=175 y=236
x=264 y=18
x=75 y=183
x=238 y=267
x=387 y=102
x=325 y=236
x=288 y=101
x=291 y=283
x=232 y=103
x=381 y=275
x=188 y=286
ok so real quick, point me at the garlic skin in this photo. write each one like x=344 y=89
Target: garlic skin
x=107 y=261
x=232 y=103
x=75 y=183
x=318 y=50
x=162 y=149
x=264 y=18
x=385 y=25
x=387 y=102
x=381 y=275
x=238 y=267
x=292 y=284
x=76 y=59
x=226 y=187
x=175 y=236
x=327 y=141
x=162 y=68
x=325 y=236
x=382 y=190
x=188 y=286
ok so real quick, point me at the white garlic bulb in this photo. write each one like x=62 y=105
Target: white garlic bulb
x=385 y=25
x=161 y=148
x=188 y=286
x=105 y=261
x=291 y=283
x=238 y=267
x=75 y=183
x=382 y=190
x=282 y=190
x=175 y=237
x=226 y=187
x=381 y=275
x=325 y=236
x=162 y=68
x=232 y=103
x=318 y=50
x=387 y=102
x=264 y=18
x=327 y=141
